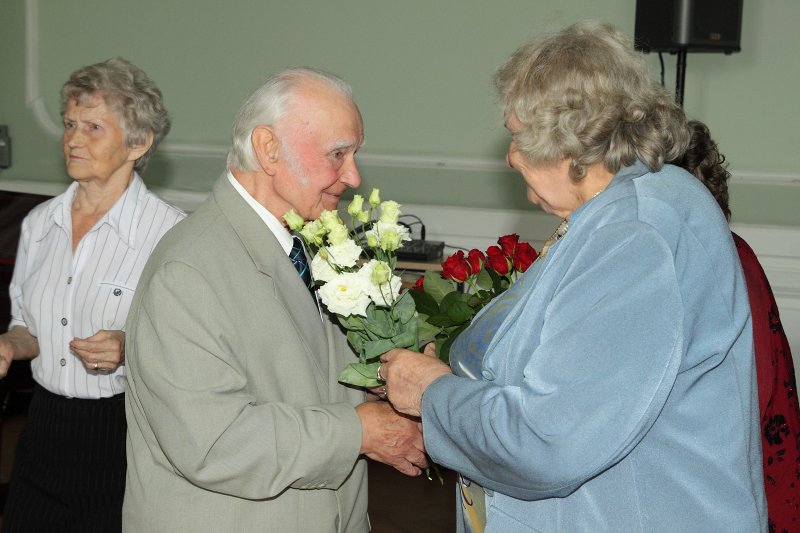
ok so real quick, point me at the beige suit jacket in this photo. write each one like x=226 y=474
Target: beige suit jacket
x=236 y=421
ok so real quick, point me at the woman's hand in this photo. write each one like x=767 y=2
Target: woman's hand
x=18 y=343
x=407 y=375
x=102 y=352
x=6 y=355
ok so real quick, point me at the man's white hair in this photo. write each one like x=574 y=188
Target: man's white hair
x=267 y=105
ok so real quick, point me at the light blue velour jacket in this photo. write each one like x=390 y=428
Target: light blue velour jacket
x=619 y=394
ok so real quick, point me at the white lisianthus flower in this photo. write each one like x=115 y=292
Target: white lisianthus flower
x=321 y=269
x=293 y=220
x=313 y=232
x=375 y=197
x=388 y=236
x=330 y=219
x=344 y=255
x=380 y=272
x=363 y=217
x=355 y=206
x=345 y=295
x=390 y=212
x=338 y=234
x=381 y=285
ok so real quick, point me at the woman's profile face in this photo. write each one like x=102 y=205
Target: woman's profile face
x=94 y=142
x=549 y=187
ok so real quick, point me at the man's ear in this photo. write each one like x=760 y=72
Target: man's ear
x=265 y=146
x=140 y=149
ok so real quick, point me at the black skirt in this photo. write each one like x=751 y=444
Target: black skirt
x=69 y=466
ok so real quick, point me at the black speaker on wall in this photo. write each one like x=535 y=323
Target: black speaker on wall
x=690 y=25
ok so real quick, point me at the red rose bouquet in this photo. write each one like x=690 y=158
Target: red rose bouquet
x=445 y=310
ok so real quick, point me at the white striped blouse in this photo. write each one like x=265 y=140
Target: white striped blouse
x=59 y=295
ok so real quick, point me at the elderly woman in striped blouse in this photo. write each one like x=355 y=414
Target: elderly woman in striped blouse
x=79 y=259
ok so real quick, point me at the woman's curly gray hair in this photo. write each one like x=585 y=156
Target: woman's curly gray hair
x=130 y=93
x=583 y=93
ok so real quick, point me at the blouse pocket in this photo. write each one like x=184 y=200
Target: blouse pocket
x=111 y=307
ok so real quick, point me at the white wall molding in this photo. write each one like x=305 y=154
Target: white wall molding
x=34 y=101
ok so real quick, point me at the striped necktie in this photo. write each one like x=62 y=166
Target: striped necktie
x=298 y=258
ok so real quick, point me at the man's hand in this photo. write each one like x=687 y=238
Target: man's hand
x=408 y=374
x=102 y=352
x=392 y=438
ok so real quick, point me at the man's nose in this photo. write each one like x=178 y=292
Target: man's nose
x=350 y=175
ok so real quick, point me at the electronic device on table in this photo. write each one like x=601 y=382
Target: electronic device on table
x=419 y=250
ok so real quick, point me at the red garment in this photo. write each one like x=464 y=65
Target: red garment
x=777 y=398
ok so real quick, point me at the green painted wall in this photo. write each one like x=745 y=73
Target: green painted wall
x=421 y=70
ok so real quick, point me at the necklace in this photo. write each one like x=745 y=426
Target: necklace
x=560 y=231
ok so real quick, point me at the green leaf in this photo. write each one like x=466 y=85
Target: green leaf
x=484 y=279
x=407 y=339
x=352 y=322
x=356 y=341
x=379 y=321
x=441 y=319
x=373 y=349
x=404 y=308
x=437 y=286
x=360 y=374
x=497 y=280
x=444 y=350
x=424 y=302
x=427 y=331
x=456 y=307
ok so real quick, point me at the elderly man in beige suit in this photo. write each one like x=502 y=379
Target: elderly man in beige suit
x=236 y=419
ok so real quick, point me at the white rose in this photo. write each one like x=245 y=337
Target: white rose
x=321 y=269
x=345 y=295
x=345 y=254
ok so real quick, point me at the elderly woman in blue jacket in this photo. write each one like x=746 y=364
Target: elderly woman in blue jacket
x=611 y=388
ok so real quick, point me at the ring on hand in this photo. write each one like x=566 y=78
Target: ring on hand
x=96 y=365
x=379 y=376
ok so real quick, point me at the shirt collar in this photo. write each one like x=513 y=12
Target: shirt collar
x=123 y=217
x=281 y=233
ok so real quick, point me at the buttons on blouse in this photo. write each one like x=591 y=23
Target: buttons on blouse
x=117 y=292
x=69 y=280
x=64 y=322
x=63 y=362
x=488 y=374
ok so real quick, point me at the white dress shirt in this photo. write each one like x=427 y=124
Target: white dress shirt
x=275 y=226
x=60 y=296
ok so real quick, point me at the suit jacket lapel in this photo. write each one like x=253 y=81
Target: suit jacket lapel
x=270 y=259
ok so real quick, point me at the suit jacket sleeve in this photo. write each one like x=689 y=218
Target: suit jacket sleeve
x=201 y=404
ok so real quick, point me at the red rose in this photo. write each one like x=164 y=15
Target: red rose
x=418 y=284
x=476 y=260
x=497 y=260
x=508 y=243
x=456 y=267
x=524 y=255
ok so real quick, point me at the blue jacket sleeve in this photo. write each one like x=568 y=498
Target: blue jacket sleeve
x=589 y=362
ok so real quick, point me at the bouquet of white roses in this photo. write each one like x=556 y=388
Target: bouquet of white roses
x=354 y=269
